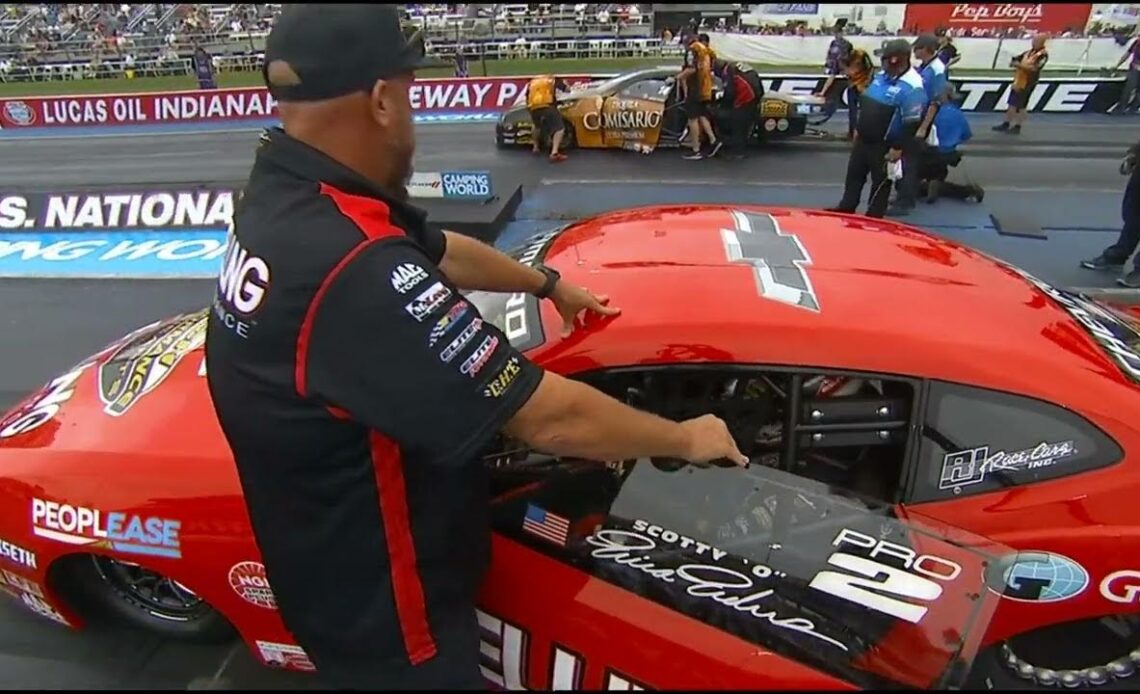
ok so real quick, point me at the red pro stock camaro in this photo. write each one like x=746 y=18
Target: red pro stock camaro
x=942 y=490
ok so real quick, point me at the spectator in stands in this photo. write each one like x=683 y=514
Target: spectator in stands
x=696 y=87
x=1027 y=70
x=460 y=62
x=204 y=68
x=740 y=103
x=1130 y=93
x=1116 y=256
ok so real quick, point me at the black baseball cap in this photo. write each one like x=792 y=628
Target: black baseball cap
x=894 y=50
x=926 y=41
x=322 y=51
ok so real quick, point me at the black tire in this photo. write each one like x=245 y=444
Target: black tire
x=101 y=587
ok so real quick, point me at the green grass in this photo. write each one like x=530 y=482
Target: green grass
x=494 y=67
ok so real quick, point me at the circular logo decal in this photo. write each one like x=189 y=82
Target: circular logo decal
x=1037 y=577
x=19 y=113
x=248 y=580
x=782 y=124
x=769 y=124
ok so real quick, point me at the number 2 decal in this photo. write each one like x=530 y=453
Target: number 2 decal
x=778 y=258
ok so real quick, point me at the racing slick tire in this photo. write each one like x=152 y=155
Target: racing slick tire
x=126 y=593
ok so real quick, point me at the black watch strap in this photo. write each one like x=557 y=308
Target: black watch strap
x=552 y=278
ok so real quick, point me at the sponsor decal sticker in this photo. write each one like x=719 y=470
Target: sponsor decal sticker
x=449 y=321
x=31 y=594
x=964 y=468
x=546 y=525
x=141 y=364
x=17 y=555
x=466 y=184
x=128 y=533
x=19 y=113
x=778 y=259
x=406 y=276
x=480 y=356
x=284 y=655
x=425 y=185
x=892 y=579
x=461 y=341
x=249 y=581
x=45 y=407
x=503 y=380
x=428 y=301
x=1037 y=577
x=772 y=108
x=713 y=574
x=1122 y=587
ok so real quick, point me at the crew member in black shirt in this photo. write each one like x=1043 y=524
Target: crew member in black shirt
x=356 y=386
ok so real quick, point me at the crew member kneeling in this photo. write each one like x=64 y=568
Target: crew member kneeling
x=741 y=100
x=941 y=152
x=540 y=101
x=890 y=112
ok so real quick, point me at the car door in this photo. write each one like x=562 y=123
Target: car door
x=631 y=117
x=654 y=573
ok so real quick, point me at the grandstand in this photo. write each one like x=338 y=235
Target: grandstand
x=90 y=41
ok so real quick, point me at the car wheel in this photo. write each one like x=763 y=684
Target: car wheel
x=1101 y=654
x=129 y=593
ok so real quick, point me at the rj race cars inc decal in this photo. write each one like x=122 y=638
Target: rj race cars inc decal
x=965 y=468
x=778 y=259
x=141 y=364
x=1037 y=577
x=893 y=579
x=714 y=575
x=45 y=407
x=249 y=581
x=128 y=533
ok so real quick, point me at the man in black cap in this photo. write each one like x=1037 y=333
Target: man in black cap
x=890 y=112
x=355 y=385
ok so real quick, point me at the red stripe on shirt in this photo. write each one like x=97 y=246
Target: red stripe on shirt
x=372 y=217
x=406 y=585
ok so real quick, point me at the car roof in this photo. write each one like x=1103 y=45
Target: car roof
x=889 y=298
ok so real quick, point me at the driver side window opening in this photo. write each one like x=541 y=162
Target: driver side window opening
x=849 y=431
x=649 y=89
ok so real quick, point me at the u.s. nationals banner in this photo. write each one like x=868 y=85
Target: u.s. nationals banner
x=1042 y=16
x=428 y=96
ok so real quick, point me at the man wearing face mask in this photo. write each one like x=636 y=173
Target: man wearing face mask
x=356 y=387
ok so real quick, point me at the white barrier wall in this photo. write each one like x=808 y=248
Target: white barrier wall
x=977 y=54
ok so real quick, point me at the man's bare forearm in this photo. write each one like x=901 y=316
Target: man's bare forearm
x=472 y=264
x=577 y=420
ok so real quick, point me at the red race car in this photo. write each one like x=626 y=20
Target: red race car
x=942 y=491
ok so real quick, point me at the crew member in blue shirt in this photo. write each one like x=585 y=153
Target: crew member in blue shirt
x=951 y=129
x=890 y=111
x=933 y=73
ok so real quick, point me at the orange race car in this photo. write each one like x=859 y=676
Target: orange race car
x=641 y=111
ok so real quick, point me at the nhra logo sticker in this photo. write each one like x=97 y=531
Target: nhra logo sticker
x=406 y=276
x=19 y=113
x=144 y=362
x=249 y=581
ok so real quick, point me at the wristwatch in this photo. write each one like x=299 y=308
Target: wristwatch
x=552 y=278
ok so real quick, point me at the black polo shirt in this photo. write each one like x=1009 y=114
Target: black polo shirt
x=354 y=385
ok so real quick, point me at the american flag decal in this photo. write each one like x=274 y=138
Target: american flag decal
x=549 y=526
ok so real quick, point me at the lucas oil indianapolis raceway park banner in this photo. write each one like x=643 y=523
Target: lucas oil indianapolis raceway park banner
x=454 y=98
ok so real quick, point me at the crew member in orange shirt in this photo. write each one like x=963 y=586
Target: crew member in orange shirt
x=541 y=95
x=696 y=84
x=1028 y=68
